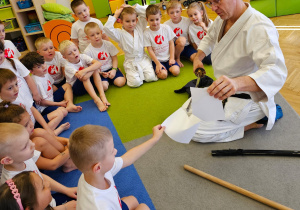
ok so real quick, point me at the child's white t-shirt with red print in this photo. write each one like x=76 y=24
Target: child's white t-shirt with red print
x=54 y=67
x=10 y=50
x=180 y=29
x=197 y=33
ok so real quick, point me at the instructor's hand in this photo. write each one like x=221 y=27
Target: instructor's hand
x=222 y=88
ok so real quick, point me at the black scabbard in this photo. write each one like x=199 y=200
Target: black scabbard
x=241 y=152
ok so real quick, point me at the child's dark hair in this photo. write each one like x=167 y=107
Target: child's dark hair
x=152 y=10
x=25 y=185
x=10 y=113
x=5 y=76
x=200 y=6
x=31 y=59
x=2 y=48
x=76 y=3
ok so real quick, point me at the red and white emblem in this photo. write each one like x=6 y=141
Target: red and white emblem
x=102 y=56
x=178 y=31
x=9 y=53
x=80 y=68
x=49 y=85
x=201 y=34
x=52 y=69
x=22 y=105
x=159 y=39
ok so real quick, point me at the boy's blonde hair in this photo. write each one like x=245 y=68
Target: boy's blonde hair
x=173 y=4
x=10 y=132
x=64 y=45
x=200 y=7
x=152 y=10
x=127 y=10
x=41 y=40
x=87 y=145
x=91 y=25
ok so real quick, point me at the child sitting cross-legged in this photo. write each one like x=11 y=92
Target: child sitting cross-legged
x=82 y=72
x=50 y=157
x=92 y=150
x=105 y=52
x=16 y=152
x=53 y=97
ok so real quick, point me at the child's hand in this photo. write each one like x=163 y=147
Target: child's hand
x=118 y=12
x=171 y=62
x=158 y=131
x=71 y=192
x=105 y=74
x=70 y=205
x=37 y=98
x=202 y=24
x=62 y=103
x=112 y=74
x=159 y=68
x=79 y=75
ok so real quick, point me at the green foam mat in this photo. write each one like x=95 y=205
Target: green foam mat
x=134 y=111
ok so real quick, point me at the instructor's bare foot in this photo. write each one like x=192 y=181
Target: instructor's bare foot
x=101 y=106
x=62 y=128
x=73 y=108
x=253 y=126
x=179 y=63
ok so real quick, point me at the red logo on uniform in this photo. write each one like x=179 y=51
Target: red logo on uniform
x=52 y=69
x=102 y=56
x=22 y=105
x=201 y=34
x=178 y=31
x=9 y=53
x=49 y=85
x=159 y=39
x=80 y=68
x=119 y=197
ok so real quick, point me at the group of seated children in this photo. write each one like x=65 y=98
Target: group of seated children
x=32 y=107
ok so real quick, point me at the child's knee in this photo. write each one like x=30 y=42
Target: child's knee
x=180 y=41
x=40 y=143
x=63 y=111
x=66 y=86
x=105 y=85
x=134 y=82
x=175 y=70
x=163 y=74
x=120 y=81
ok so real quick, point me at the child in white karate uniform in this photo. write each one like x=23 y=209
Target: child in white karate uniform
x=16 y=156
x=53 y=59
x=105 y=52
x=198 y=29
x=82 y=11
x=158 y=39
x=82 y=72
x=10 y=49
x=92 y=150
x=180 y=26
x=130 y=39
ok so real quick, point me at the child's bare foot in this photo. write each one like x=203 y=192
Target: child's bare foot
x=62 y=128
x=69 y=166
x=73 y=108
x=101 y=106
x=179 y=63
x=104 y=100
x=252 y=126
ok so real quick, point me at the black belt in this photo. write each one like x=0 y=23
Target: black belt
x=241 y=95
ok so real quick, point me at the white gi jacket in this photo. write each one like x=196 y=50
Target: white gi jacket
x=250 y=47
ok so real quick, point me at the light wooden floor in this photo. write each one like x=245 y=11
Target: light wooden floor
x=290 y=44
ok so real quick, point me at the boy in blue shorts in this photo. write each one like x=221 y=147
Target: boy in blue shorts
x=180 y=26
x=106 y=53
x=53 y=97
x=158 y=39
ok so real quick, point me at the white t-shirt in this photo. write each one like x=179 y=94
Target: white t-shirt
x=71 y=68
x=181 y=28
x=44 y=86
x=10 y=50
x=102 y=54
x=54 y=67
x=159 y=41
x=90 y=197
x=77 y=32
x=197 y=33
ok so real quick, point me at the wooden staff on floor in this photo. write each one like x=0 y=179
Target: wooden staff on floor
x=235 y=188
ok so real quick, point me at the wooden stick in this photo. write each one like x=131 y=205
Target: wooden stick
x=235 y=188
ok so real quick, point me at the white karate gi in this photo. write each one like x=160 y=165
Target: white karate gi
x=181 y=28
x=137 y=64
x=197 y=33
x=250 y=47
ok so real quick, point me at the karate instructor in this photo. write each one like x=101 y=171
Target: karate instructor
x=249 y=66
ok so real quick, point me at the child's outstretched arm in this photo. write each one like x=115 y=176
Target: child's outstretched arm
x=38 y=117
x=53 y=164
x=109 y=28
x=135 y=153
x=53 y=103
x=112 y=73
x=172 y=52
x=35 y=93
x=152 y=55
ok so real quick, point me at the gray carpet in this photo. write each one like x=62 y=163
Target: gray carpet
x=276 y=178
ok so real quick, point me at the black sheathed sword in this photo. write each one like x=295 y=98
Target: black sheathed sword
x=241 y=152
